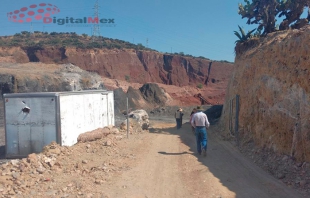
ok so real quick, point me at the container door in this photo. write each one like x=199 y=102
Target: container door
x=43 y=123
x=17 y=123
x=30 y=125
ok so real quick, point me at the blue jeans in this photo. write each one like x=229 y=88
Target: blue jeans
x=201 y=138
x=178 y=120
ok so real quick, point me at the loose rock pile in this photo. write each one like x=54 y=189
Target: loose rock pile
x=54 y=172
x=285 y=168
x=97 y=134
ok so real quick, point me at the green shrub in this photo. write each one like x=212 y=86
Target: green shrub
x=127 y=78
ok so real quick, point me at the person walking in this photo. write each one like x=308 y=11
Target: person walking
x=181 y=119
x=178 y=117
x=191 y=117
x=200 y=122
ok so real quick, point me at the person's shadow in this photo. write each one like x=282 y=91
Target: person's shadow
x=165 y=153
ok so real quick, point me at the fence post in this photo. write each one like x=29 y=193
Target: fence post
x=237 y=119
x=230 y=116
x=127 y=120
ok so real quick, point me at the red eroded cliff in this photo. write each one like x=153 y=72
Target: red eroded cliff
x=147 y=66
x=128 y=64
x=134 y=66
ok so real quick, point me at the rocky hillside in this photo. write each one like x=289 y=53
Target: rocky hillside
x=116 y=59
x=271 y=77
x=38 y=77
x=127 y=64
x=184 y=78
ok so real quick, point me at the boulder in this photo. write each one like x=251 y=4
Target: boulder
x=134 y=126
x=141 y=117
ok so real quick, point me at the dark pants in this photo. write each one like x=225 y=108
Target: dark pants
x=181 y=122
x=193 y=130
x=201 y=138
x=178 y=120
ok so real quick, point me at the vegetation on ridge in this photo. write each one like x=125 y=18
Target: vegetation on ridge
x=39 y=40
x=65 y=39
x=266 y=12
x=242 y=36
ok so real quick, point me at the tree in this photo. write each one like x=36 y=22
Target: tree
x=265 y=14
x=292 y=10
x=84 y=35
x=25 y=32
x=140 y=46
x=261 y=12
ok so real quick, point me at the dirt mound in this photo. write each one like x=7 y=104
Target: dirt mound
x=97 y=134
x=152 y=93
x=148 y=96
x=61 y=171
x=136 y=100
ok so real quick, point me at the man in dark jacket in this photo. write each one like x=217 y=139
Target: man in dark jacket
x=178 y=117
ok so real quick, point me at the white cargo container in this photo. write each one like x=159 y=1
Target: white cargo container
x=33 y=120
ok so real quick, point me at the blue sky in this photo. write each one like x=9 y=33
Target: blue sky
x=197 y=27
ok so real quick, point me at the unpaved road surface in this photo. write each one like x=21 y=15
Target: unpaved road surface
x=161 y=163
x=167 y=166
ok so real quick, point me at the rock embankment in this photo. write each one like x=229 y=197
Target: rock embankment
x=272 y=80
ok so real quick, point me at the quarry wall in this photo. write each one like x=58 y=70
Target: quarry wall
x=273 y=81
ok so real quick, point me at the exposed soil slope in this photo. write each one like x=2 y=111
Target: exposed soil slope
x=272 y=80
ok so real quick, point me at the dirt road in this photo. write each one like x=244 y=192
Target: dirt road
x=167 y=166
x=161 y=163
